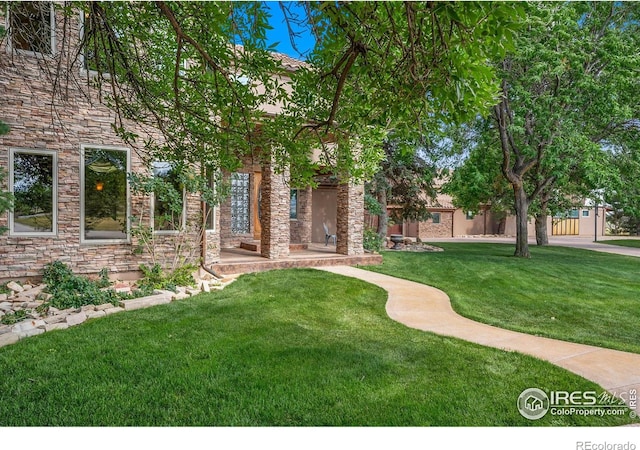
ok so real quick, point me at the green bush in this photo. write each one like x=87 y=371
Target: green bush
x=155 y=278
x=372 y=240
x=72 y=291
x=14 y=317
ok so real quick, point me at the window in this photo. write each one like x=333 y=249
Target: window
x=470 y=215
x=209 y=208
x=574 y=214
x=32 y=27
x=168 y=200
x=240 y=203
x=32 y=179
x=104 y=198
x=293 y=204
x=90 y=41
x=585 y=213
x=435 y=217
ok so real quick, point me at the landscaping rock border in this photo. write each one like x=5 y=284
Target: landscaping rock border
x=28 y=298
x=411 y=244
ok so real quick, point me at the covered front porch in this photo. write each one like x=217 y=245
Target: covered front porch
x=240 y=260
x=267 y=223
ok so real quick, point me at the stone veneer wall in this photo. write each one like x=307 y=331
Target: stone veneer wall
x=350 y=219
x=38 y=121
x=428 y=229
x=301 y=227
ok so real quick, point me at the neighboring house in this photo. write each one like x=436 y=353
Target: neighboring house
x=68 y=171
x=448 y=221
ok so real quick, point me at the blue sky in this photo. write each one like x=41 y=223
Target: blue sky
x=280 y=33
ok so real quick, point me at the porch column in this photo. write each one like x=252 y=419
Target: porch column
x=274 y=207
x=350 y=219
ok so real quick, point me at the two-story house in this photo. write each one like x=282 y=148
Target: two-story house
x=68 y=171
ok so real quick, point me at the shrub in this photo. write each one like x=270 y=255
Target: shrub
x=155 y=278
x=14 y=317
x=372 y=240
x=72 y=291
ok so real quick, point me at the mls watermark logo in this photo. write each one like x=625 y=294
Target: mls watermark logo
x=533 y=403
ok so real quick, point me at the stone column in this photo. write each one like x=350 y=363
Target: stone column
x=350 y=219
x=274 y=207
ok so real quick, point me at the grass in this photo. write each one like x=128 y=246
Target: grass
x=564 y=293
x=283 y=348
x=635 y=243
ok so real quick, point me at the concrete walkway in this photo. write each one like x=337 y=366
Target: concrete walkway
x=429 y=309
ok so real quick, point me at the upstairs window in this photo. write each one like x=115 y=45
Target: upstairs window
x=31 y=26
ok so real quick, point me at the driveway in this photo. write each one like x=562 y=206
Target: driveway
x=563 y=241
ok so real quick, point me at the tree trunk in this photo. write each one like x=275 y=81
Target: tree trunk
x=542 y=237
x=522 y=219
x=502 y=225
x=383 y=217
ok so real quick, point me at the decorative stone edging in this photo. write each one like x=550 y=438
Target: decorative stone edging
x=28 y=298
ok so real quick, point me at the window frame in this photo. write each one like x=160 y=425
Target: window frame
x=183 y=221
x=84 y=71
x=52 y=37
x=433 y=217
x=297 y=195
x=586 y=213
x=83 y=240
x=213 y=208
x=54 y=194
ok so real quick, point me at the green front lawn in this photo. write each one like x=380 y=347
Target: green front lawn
x=635 y=243
x=292 y=347
x=563 y=293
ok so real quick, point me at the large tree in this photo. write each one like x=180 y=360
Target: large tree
x=179 y=67
x=404 y=181
x=568 y=87
x=623 y=194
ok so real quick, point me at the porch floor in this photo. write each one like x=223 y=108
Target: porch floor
x=239 y=260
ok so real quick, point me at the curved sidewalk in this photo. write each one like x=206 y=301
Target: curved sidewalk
x=429 y=309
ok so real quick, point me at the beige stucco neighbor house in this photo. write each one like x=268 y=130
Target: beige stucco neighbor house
x=77 y=206
x=448 y=221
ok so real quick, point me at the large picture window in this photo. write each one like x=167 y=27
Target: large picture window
x=168 y=201
x=105 y=194
x=31 y=26
x=32 y=180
